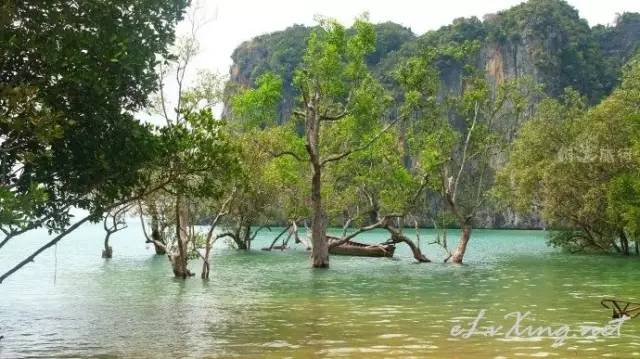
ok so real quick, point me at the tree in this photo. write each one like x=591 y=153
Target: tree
x=374 y=189
x=269 y=189
x=198 y=167
x=71 y=76
x=273 y=187
x=455 y=140
x=578 y=168
x=340 y=110
x=113 y=222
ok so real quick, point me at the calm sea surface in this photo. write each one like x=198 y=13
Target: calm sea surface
x=72 y=303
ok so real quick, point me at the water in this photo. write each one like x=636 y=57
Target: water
x=271 y=304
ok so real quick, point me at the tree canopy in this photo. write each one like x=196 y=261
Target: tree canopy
x=578 y=167
x=71 y=76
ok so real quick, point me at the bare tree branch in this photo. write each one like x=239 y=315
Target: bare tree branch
x=464 y=152
x=286 y=153
x=34 y=224
x=342 y=155
x=337 y=117
x=382 y=223
x=276 y=239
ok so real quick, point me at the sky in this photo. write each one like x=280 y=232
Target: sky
x=225 y=24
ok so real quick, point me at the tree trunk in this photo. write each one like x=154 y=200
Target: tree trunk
x=417 y=253
x=239 y=238
x=179 y=260
x=157 y=238
x=246 y=238
x=205 y=262
x=320 y=246
x=107 y=252
x=156 y=235
x=319 y=243
x=397 y=237
x=458 y=255
x=624 y=243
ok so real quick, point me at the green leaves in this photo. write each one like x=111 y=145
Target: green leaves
x=197 y=155
x=72 y=77
x=623 y=199
x=258 y=107
x=579 y=167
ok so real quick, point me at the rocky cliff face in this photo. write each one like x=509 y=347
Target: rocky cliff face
x=281 y=52
x=544 y=40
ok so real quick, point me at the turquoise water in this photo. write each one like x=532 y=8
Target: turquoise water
x=271 y=304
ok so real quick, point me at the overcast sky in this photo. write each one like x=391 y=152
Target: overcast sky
x=233 y=21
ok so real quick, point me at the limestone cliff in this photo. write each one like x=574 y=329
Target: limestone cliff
x=545 y=40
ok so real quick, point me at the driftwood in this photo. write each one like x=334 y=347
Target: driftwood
x=621 y=308
x=273 y=244
x=292 y=230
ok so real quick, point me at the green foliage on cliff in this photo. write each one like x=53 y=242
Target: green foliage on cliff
x=618 y=44
x=559 y=42
x=542 y=39
x=578 y=168
x=281 y=52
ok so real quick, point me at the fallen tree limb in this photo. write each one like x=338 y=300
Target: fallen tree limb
x=276 y=239
x=396 y=237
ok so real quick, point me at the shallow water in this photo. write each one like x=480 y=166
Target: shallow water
x=271 y=304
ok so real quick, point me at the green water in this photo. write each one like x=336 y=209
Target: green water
x=261 y=304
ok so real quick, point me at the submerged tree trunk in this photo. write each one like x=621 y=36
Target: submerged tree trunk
x=205 y=260
x=319 y=244
x=463 y=220
x=242 y=235
x=461 y=248
x=156 y=236
x=179 y=260
x=246 y=238
x=210 y=239
x=624 y=243
x=114 y=217
x=107 y=252
x=157 y=242
x=241 y=238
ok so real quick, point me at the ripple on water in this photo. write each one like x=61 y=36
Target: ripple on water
x=361 y=307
